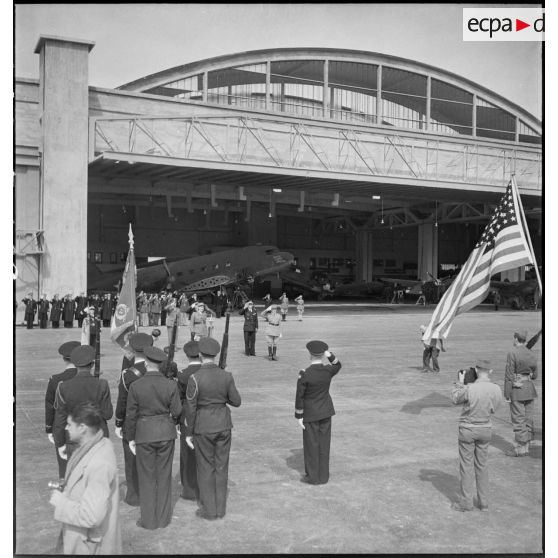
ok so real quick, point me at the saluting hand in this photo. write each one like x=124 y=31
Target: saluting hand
x=190 y=442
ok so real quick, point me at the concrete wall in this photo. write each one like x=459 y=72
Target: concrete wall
x=64 y=108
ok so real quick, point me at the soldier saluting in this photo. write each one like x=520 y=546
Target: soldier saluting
x=314 y=409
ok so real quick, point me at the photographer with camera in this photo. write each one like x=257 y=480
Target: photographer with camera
x=480 y=398
x=87 y=502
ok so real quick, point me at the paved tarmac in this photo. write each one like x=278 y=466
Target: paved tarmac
x=394 y=462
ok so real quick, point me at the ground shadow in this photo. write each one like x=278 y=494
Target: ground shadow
x=501 y=443
x=432 y=400
x=446 y=484
x=296 y=460
x=421 y=368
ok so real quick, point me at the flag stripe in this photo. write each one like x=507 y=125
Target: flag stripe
x=502 y=246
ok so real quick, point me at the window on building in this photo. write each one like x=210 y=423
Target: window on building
x=494 y=122
x=451 y=109
x=112 y=258
x=98 y=257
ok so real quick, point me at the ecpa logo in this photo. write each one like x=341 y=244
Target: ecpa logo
x=503 y=24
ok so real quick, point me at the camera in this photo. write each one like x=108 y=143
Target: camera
x=470 y=375
x=56 y=485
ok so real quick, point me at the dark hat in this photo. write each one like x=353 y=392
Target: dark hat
x=83 y=355
x=192 y=349
x=317 y=347
x=209 y=346
x=521 y=334
x=66 y=348
x=482 y=363
x=139 y=341
x=154 y=354
x=156 y=332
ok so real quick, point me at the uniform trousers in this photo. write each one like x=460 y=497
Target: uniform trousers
x=250 y=342
x=29 y=320
x=188 y=470
x=154 y=463
x=316 y=439
x=473 y=459
x=43 y=321
x=431 y=352
x=56 y=324
x=212 y=460
x=131 y=474
x=62 y=463
x=522 y=420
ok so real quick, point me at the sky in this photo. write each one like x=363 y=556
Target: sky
x=135 y=40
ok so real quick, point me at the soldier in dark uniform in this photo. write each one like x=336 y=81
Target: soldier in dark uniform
x=519 y=390
x=106 y=310
x=82 y=387
x=44 y=305
x=81 y=304
x=169 y=369
x=188 y=470
x=250 y=328
x=55 y=311
x=152 y=415
x=314 y=409
x=68 y=311
x=208 y=421
x=137 y=343
x=69 y=372
x=30 y=310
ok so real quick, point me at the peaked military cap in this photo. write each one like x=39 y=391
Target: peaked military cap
x=317 y=347
x=139 y=341
x=154 y=354
x=156 y=332
x=192 y=349
x=209 y=346
x=83 y=355
x=482 y=363
x=66 y=348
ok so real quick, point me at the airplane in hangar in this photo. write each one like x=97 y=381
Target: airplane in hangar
x=238 y=265
x=518 y=294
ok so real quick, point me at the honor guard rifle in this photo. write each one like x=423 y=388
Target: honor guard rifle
x=97 y=323
x=172 y=345
x=225 y=344
x=533 y=340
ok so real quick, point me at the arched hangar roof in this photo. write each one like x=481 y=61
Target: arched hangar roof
x=351 y=85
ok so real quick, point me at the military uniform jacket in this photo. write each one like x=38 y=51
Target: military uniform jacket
x=50 y=396
x=208 y=393
x=106 y=312
x=521 y=368
x=56 y=310
x=182 y=382
x=250 y=319
x=153 y=409
x=43 y=307
x=82 y=387
x=127 y=377
x=313 y=401
x=30 y=307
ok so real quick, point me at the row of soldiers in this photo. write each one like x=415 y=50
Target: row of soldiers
x=67 y=309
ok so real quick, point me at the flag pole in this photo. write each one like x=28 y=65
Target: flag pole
x=131 y=243
x=526 y=229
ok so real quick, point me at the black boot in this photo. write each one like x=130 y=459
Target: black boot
x=270 y=353
x=274 y=353
x=284 y=318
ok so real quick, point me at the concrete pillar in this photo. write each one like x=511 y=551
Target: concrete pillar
x=427 y=251
x=64 y=109
x=364 y=256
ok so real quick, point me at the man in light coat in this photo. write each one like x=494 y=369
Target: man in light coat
x=87 y=504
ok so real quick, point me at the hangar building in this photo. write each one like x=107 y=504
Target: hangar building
x=358 y=163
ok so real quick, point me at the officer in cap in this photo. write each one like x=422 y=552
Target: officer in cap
x=250 y=328
x=69 y=372
x=156 y=333
x=480 y=400
x=137 y=342
x=519 y=390
x=82 y=387
x=208 y=428
x=152 y=415
x=314 y=409
x=188 y=471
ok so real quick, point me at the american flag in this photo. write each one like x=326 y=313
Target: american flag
x=502 y=246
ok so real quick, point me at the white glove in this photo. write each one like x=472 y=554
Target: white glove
x=62 y=452
x=190 y=442
x=132 y=445
x=300 y=421
x=327 y=354
x=178 y=429
x=51 y=438
x=118 y=431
